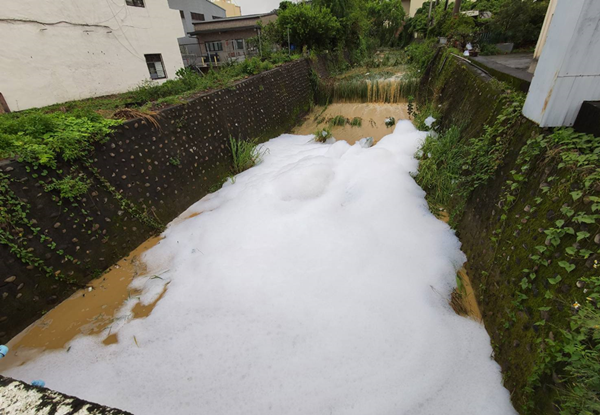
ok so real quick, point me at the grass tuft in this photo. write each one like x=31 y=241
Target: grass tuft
x=245 y=154
x=338 y=121
x=356 y=122
x=323 y=135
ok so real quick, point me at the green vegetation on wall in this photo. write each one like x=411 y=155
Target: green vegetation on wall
x=527 y=206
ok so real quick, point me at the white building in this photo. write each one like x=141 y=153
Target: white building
x=190 y=12
x=63 y=50
x=568 y=71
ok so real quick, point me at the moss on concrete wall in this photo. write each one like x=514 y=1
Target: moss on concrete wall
x=530 y=230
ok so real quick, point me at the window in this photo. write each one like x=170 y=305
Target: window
x=214 y=46
x=182 y=14
x=135 y=3
x=198 y=17
x=217 y=17
x=156 y=66
x=238 y=44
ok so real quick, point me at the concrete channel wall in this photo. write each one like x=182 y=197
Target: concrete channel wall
x=523 y=304
x=145 y=175
x=17 y=397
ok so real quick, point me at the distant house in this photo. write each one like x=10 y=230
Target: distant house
x=232 y=9
x=411 y=6
x=191 y=12
x=226 y=40
x=65 y=50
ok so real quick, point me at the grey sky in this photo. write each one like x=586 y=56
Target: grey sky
x=257 y=6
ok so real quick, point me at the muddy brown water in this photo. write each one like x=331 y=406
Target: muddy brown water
x=372 y=115
x=88 y=311
x=91 y=311
x=467 y=296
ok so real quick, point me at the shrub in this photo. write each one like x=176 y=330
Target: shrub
x=245 y=154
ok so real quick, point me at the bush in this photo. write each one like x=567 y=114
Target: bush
x=421 y=53
x=40 y=138
x=312 y=26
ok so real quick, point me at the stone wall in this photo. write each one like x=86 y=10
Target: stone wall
x=20 y=398
x=148 y=172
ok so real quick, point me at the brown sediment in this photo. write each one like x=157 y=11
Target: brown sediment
x=193 y=215
x=463 y=299
x=142 y=311
x=85 y=312
x=373 y=117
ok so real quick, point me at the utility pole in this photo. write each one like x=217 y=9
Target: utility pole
x=289 y=45
x=446 y=6
x=456 y=7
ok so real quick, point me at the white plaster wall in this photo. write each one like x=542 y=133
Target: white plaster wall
x=568 y=71
x=62 y=50
x=414 y=6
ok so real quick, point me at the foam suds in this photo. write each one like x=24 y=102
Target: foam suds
x=316 y=283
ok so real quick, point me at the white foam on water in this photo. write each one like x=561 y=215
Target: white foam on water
x=316 y=283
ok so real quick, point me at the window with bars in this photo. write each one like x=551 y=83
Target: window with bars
x=135 y=3
x=155 y=66
x=238 y=44
x=198 y=17
x=214 y=46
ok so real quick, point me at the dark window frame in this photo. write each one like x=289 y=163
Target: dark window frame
x=198 y=17
x=151 y=60
x=135 y=3
x=217 y=17
x=181 y=14
x=214 y=46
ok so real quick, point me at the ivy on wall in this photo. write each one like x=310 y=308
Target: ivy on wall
x=530 y=199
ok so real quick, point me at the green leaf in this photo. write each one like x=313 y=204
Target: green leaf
x=560 y=223
x=581 y=235
x=571 y=250
x=556 y=280
x=576 y=194
x=569 y=267
x=545 y=308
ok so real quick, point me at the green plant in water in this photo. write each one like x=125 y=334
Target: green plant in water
x=245 y=154
x=390 y=122
x=411 y=106
x=338 y=121
x=174 y=161
x=356 y=122
x=323 y=135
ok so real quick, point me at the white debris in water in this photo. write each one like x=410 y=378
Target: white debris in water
x=366 y=142
x=317 y=283
x=429 y=121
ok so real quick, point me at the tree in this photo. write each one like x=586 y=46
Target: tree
x=456 y=7
x=519 y=21
x=387 y=19
x=311 y=26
